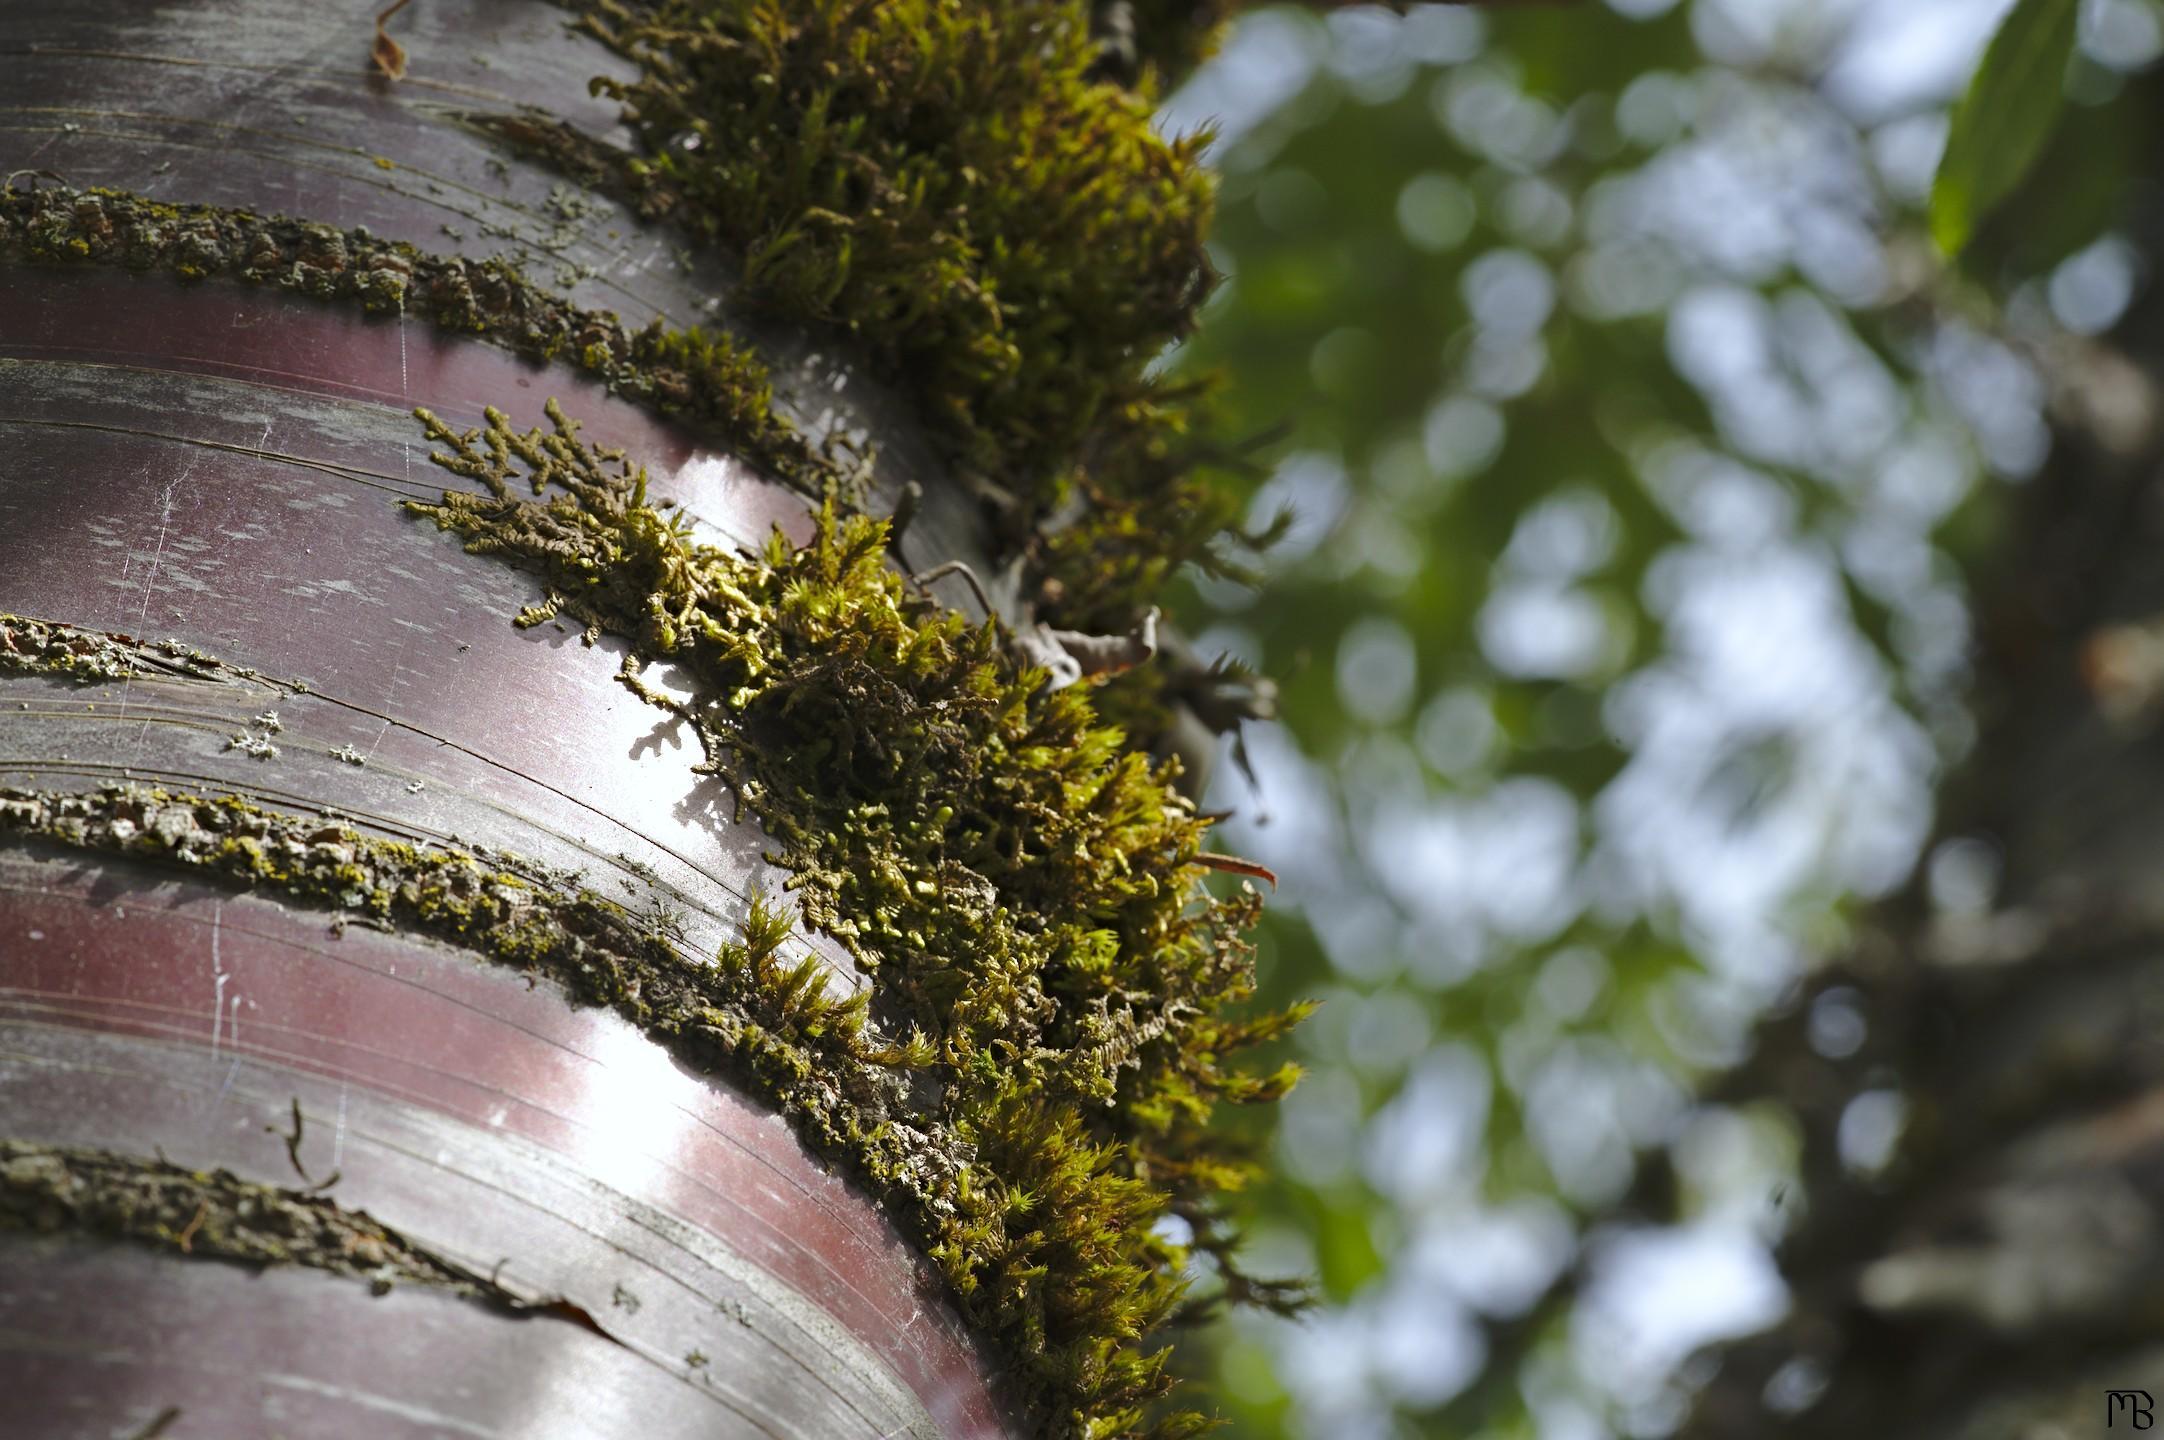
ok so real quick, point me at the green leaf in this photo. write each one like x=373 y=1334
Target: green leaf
x=2001 y=124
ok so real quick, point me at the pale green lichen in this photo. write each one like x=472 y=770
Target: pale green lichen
x=1017 y=885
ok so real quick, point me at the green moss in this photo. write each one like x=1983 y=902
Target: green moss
x=1149 y=512
x=214 y=1214
x=1016 y=883
x=977 y=194
x=707 y=379
x=950 y=182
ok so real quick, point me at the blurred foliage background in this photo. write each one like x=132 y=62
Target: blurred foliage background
x=1636 y=440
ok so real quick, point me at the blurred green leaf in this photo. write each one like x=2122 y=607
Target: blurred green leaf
x=2075 y=191
x=2001 y=124
x=1345 y=1246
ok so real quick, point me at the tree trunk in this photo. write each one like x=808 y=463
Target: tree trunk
x=199 y=500
x=2000 y=1277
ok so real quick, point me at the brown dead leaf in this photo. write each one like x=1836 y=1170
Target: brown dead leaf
x=389 y=55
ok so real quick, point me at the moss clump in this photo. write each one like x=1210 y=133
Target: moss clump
x=707 y=379
x=950 y=182
x=1017 y=884
x=977 y=194
x=214 y=1214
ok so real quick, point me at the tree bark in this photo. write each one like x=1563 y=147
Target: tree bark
x=2001 y=1275
x=648 y=1251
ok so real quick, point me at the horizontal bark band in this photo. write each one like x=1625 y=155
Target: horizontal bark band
x=103 y=1340
x=221 y=464
x=261 y=527
x=482 y=1118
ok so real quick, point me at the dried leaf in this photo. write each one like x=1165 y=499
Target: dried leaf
x=389 y=55
x=1102 y=656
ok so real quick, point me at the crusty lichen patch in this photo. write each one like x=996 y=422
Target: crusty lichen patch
x=709 y=379
x=1017 y=884
x=30 y=646
x=499 y=904
x=33 y=646
x=214 y=1214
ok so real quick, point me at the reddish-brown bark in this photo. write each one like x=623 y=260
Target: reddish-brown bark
x=220 y=464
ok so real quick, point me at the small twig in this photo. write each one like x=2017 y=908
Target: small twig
x=159 y=1424
x=35 y=176
x=1233 y=864
x=293 y=1141
x=905 y=510
x=293 y=1151
x=923 y=581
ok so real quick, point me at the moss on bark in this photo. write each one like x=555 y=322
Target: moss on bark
x=977 y=194
x=972 y=193
x=1016 y=883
